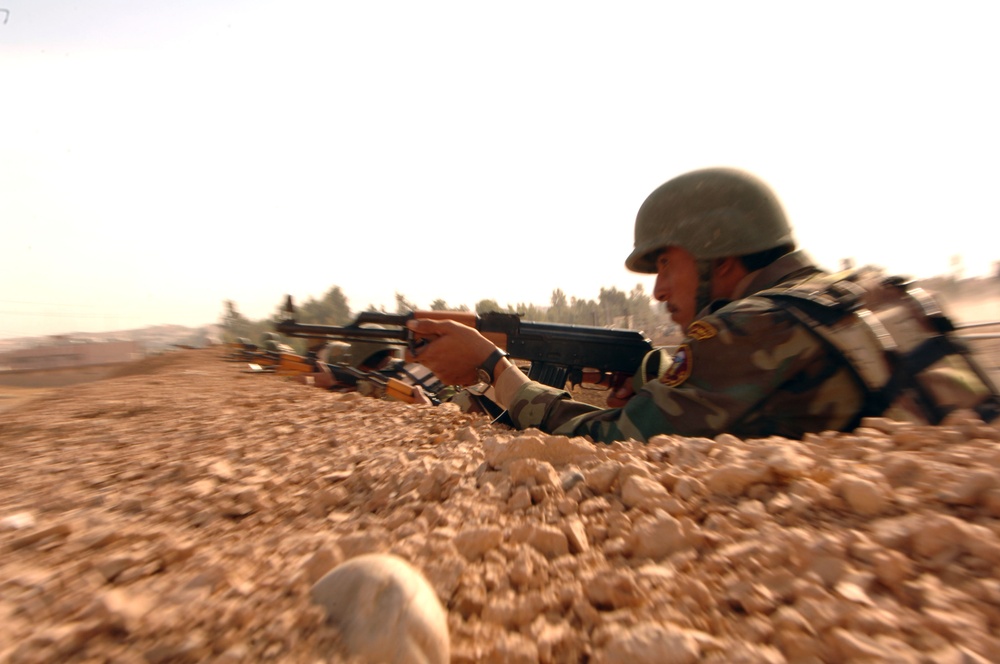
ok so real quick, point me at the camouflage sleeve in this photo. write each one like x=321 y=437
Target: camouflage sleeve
x=731 y=362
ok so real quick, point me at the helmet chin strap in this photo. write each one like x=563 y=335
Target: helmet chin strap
x=703 y=298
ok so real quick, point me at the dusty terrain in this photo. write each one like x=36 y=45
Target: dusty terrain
x=181 y=514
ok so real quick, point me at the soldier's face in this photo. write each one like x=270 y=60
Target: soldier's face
x=677 y=284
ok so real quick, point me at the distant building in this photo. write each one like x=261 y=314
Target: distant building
x=67 y=353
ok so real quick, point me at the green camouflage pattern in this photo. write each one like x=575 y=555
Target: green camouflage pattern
x=762 y=373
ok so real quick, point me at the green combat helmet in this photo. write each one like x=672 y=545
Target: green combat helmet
x=371 y=354
x=335 y=351
x=272 y=342
x=710 y=213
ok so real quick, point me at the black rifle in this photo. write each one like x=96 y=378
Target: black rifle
x=557 y=353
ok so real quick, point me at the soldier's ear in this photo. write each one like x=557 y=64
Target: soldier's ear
x=727 y=266
x=727 y=275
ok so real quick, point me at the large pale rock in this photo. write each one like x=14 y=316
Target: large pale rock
x=385 y=610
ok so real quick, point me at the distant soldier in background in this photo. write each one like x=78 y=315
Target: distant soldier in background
x=376 y=356
x=271 y=342
x=366 y=355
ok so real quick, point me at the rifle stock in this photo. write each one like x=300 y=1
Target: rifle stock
x=371 y=383
x=557 y=353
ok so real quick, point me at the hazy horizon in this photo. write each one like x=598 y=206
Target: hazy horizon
x=967 y=307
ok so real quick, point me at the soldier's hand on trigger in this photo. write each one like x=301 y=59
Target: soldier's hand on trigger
x=451 y=351
x=619 y=397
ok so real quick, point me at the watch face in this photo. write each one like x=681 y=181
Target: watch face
x=484 y=376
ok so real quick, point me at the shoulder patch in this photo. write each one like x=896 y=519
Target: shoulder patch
x=701 y=330
x=680 y=370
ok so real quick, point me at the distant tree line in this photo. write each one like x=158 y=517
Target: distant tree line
x=612 y=308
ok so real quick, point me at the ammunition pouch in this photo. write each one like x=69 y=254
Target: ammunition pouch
x=895 y=340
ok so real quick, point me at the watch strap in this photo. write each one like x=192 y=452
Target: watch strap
x=490 y=363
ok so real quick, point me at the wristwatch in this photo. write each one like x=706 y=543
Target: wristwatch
x=484 y=372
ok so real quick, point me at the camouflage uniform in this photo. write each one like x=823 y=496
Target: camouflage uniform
x=747 y=367
x=795 y=351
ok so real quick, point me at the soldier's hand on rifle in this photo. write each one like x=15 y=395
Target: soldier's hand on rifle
x=452 y=351
x=618 y=397
x=419 y=396
x=322 y=377
x=319 y=378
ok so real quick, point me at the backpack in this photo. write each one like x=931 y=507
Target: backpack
x=897 y=342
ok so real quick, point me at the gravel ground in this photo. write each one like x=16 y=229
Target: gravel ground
x=182 y=513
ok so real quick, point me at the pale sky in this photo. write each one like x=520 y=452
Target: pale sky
x=160 y=157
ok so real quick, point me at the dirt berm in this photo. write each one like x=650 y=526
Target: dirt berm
x=182 y=513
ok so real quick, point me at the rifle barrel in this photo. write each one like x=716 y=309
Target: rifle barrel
x=348 y=332
x=981 y=323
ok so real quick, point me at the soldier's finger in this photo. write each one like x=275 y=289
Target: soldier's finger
x=425 y=327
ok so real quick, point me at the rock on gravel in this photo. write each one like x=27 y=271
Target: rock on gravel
x=184 y=512
x=384 y=610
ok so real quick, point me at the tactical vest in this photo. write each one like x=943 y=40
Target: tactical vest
x=899 y=345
